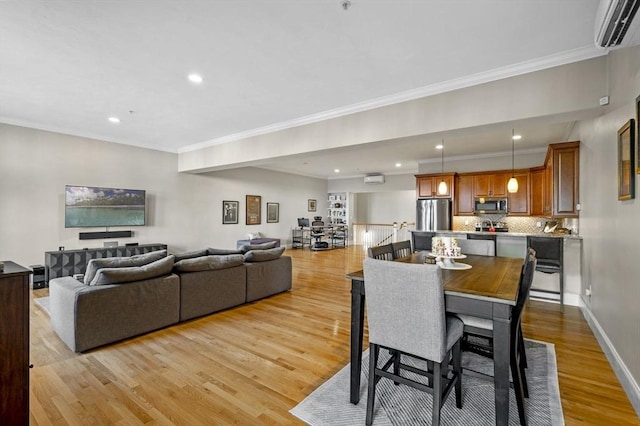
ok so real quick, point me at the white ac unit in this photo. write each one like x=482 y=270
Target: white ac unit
x=613 y=20
x=374 y=179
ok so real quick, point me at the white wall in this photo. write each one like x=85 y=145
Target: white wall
x=184 y=210
x=386 y=207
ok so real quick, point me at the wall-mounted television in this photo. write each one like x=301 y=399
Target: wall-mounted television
x=88 y=206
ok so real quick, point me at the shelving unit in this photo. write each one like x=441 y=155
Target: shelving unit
x=338 y=208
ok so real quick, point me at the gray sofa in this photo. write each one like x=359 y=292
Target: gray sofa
x=125 y=297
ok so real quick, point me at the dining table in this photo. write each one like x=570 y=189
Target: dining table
x=488 y=289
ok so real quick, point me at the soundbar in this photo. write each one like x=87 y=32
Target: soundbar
x=108 y=234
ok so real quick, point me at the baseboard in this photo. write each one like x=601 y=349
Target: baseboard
x=627 y=381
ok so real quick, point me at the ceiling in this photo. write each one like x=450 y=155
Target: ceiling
x=67 y=66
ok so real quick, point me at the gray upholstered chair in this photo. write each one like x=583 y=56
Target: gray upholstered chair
x=474 y=327
x=384 y=252
x=480 y=247
x=401 y=249
x=406 y=314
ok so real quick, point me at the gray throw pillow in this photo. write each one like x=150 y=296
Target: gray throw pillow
x=155 y=269
x=264 y=246
x=263 y=255
x=121 y=262
x=214 y=251
x=209 y=263
x=190 y=254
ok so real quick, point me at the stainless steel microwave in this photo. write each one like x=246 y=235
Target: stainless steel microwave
x=490 y=205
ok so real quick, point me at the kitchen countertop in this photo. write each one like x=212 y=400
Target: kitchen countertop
x=515 y=234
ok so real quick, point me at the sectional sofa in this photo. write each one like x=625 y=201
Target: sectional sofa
x=127 y=296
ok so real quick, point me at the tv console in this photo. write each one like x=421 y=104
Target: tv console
x=70 y=262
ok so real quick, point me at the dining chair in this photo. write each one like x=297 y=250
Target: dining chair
x=406 y=315
x=550 y=254
x=421 y=240
x=482 y=327
x=384 y=252
x=401 y=249
x=479 y=247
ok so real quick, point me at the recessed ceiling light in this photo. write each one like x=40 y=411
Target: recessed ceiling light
x=195 y=78
x=516 y=137
x=439 y=146
x=114 y=120
x=336 y=170
x=398 y=164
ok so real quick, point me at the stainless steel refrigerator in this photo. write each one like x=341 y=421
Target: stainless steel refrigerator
x=433 y=214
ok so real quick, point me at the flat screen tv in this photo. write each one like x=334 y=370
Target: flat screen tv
x=87 y=206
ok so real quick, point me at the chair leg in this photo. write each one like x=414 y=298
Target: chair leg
x=523 y=353
x=522 y=364
x=396 y=365
x=457 y=369
x=437 y=394
x=561 y=289
x=517 y=385
x=374 y=351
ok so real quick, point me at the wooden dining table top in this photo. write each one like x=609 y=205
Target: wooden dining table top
x=490 y=277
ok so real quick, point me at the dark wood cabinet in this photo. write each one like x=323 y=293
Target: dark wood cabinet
x=519 y=201
x=537 y=189
x=427 y=185
x=562 y=179
x=490 y=184
x=14 y=344
x=464 y=196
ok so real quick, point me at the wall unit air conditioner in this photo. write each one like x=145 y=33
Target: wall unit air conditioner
x=613 y=20
x=374 y=179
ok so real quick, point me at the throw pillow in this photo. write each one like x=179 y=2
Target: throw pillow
x=155 y=269
x=264 y=246
x=121 y=262
x=214 y=251
x=191 y=254
x=263 y=255
x=254 y=235
x=209 y=263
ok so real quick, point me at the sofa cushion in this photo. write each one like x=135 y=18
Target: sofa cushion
x=190 y=254
x=254 y=235
x=121 y=262
x=209 y=263
x=263 y=255
x=155 y=269
x=214 y=251
x=263 y=246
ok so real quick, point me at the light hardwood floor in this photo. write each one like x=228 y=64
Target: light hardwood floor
x=252 y=364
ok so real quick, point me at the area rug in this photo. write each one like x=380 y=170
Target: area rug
x=402 y=405
x=43 y=302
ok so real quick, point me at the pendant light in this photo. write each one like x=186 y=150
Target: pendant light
x=442 y=186
x=512 y=185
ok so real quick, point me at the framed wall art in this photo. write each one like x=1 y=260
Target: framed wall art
x=273 y=212
x=312 y=205
x=626 y=158
x=638 y=135
x=230 y=212
x=253 y=209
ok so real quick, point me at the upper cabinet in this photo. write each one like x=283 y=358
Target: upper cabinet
x=490 y=184
x=537 y=191
x=463 y=205
x=562 y=179
x=519 y=201
x=427 y=185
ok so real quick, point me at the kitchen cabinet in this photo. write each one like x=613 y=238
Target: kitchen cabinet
x=464 y=195
x=14 y=344
x=519 y=201
x=537 y=189
x=490 y=184
x=427 y=185
x=562 y=177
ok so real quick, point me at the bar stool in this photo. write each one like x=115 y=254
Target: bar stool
x=550 y=254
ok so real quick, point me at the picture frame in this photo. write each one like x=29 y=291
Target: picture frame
x=273 y=212
x=253 y=213
x=230 y=212
x=626 y=158
x=312 y=205
x=638 y=135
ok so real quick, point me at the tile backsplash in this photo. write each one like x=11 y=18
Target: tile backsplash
x=526 y=225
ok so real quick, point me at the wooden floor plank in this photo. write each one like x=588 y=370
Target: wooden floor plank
x=251 y=364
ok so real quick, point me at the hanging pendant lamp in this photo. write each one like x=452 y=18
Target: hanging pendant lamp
x=442 y=186
x=512 y=185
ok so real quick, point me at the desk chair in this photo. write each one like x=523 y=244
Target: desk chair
x=479 y=247
x=406 y=314
x=401 y=249
x=317 y=232
x=474 y=326
x=550 y=254
x=384 y=252
x=421 y=240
